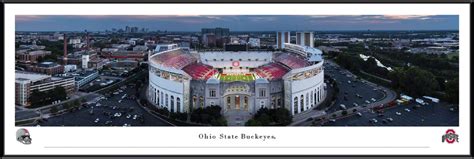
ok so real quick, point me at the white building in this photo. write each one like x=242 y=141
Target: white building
x=26 y=83
x=69 y=68
x=254 y=42
x=74 y=41
x=85 y=61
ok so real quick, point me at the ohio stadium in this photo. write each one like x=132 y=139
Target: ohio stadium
x=238 y=81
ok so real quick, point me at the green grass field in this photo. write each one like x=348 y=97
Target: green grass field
x=241 y=77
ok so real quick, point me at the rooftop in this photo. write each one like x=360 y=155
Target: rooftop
x=33 y=77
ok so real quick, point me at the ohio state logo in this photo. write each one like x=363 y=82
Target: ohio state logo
x=450 y=136
x=236 y=63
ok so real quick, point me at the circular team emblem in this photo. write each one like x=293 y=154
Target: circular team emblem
x=236 y=63
x=450 y=136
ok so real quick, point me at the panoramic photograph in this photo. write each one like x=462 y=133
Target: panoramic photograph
x=236 y=70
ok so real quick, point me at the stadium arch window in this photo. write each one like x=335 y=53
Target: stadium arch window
x=195 y=101
x=178 y=104
x=201 y=101
x=315 y=97
x=214 y=60
x=249 y=60
x=231 y=59
x=222 y=59
x=162 y=98
x=172 y=104
x=256 y=59
x=263 y=92
x=158 y=97
x=264 y=59
x=240 y=59
x=246 y=103
x=301 y=102
x=212 y=92
x=307 y=99
x=273 y=102
x=279 y=102
x=295 y=105
x=228 y=103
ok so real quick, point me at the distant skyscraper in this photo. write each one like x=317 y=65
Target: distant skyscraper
x=128 y=29
x=282 y=38
x=209 y=40
x=218 y=32
x=305 y=39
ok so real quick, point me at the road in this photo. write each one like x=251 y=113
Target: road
x=353 y=93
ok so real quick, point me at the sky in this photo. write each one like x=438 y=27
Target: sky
x=237 y=22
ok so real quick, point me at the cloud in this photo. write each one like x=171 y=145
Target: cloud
x=25 y=18
x=263 y=19
x=407 y=17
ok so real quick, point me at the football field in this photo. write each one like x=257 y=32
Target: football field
x=236 y=77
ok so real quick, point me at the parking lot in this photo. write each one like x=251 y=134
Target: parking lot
x=119 y=109
x=404 y=115
x=352 y=92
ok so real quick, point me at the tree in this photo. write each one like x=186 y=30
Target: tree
x=268 y=117
x=282 y=116
x=452 y=90
x=414 y=81
x=59 y=93
x=344 y=112
x=53 y=110
x=208 y=115
x=253 y=122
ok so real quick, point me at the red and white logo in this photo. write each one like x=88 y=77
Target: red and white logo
x=236 y=63
x=450 y=136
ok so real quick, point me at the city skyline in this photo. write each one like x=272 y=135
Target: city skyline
x=193 y=23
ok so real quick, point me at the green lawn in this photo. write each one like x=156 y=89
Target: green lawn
x=232 y=78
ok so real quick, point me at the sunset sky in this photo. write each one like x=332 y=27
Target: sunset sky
x=237 y=22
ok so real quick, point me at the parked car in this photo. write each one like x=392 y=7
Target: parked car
x=373 y=120
x=343 y=106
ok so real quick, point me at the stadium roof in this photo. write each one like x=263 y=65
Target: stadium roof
x=174 y=58
x=199 y=71
x=291 y=61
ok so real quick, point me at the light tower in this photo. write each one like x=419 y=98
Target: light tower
x=282 y=38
